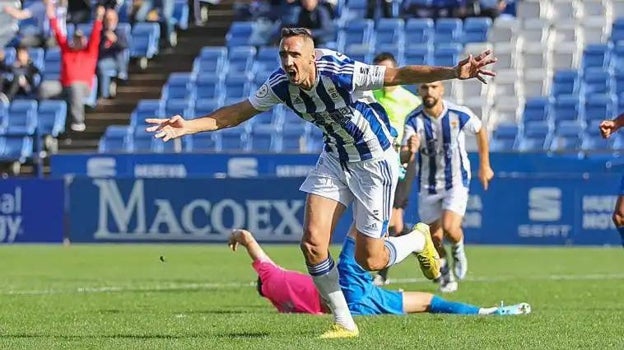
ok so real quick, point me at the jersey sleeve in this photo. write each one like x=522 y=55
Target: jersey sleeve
x=469 y=122
x=264 y=98
x=410 y=129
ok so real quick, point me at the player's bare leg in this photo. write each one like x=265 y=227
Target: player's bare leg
x=447 y=280
x=451 y=225
x=321 y=216
x=415 y=302
x=618 y=216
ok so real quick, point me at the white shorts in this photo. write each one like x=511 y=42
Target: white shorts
x=369 y=184
x=430 y=206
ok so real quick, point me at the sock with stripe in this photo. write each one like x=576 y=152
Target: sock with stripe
x=443 y=306
x=621 y=231
x=401 y=247
x=325 y=277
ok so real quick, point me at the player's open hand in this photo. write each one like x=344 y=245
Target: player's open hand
x=168 y=128
x=238 y=237
x=474 y=67
x=485 y=175
x=607 y=128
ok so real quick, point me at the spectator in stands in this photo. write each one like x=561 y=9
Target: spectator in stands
x=318 y=20
x=78 y=62
x=147 y=10
x=30 y=35
x=438 y=9
x=23 y=79
x=490 y=8
x=8 y=23
x=386 y=8
x=112 y=46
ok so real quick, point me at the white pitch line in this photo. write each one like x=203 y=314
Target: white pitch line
x=208 y=286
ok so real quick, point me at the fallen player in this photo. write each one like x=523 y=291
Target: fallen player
x=294 y=292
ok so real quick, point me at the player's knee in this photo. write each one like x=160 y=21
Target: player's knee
x=451 y=228
x=618 y=218
x=370 y=263
x=312 y=251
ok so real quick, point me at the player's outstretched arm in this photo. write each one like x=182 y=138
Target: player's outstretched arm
x=247 y=240
x=225 y=117
x=485 y=170
x=609 y=127
x=468 y=68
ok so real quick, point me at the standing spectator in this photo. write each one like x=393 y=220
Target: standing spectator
x=78 y=62
x=30 y=35
x=318 y=20
x=491 y=8
x=112 y=57
x=8 y=24
x=24 y=76
x=146 y=12
x=386 y=8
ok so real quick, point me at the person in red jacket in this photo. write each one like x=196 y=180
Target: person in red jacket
x=78 y=63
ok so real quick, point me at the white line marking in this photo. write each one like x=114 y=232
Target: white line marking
x=225 y=285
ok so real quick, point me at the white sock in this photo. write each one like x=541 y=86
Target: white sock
x=402 y=246
x=329 y=289
x=487 y=310
x=459 y=245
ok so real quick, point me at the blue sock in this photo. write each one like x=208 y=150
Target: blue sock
x=621 y=231
x=442 y=306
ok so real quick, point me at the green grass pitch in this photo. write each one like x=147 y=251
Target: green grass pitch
x=201 y=297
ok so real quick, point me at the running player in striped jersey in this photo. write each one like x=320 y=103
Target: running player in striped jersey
x=608 y=128
x=434 y=133
x=358 y=164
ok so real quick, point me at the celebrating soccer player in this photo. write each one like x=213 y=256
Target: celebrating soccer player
x=358 y=164
x=608 y=128
x=434 y=134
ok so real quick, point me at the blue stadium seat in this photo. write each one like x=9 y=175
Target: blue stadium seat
x=240 y=58
x=566 y=107
x=178 y=87
x=359 y=52
x=264 y=138
x=504 y=137
x=290 y=118
x=22 y=118
x=37 y=57
x=181 y=14
x=617 y=144
x=15 y=148
x=142 y=141
x=596 y=56
x=617 y=30
x=534 y=137
x=565 y=82
x=567 y=136
x=239 y=34
x=205 y=106
x=448 y=30
x=596 y=81
x=182 y=107
x=418 y=54
x=52 y=64
x=51 y=116
x=267 y=59
x=293 y=138
x=116 y=138
x=395 y=49
x=233 y=139
x=419 y=31
x=236 y=86
x=146 y=109
x=536 y=109
x=357 y=8
x=592 y=140
x=599 y=107
x=265 y=118
x=390 y=31
x=203 y=142
x=618 y=82
x=357 y=31
x=476 y=29
x=208 y=86
x=446 y=54
x=617 y=57
x=211 y=59
x=145 y=38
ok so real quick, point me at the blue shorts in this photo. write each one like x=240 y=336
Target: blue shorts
x=377 y=301
x=622 y=187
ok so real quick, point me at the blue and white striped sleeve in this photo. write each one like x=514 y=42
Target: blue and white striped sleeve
x=468 y=121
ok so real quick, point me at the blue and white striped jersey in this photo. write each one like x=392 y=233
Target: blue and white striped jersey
x=442 y=161
x=341 y=104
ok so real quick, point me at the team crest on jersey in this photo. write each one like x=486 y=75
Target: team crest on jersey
x=262 y=91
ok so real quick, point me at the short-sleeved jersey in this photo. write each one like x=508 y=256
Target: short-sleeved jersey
x=340 y=103
x=442 y=159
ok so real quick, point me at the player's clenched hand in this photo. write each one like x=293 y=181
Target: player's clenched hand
x=474 y=67
x=169 y=128
x=607 y=128
x=238 y=237
x=413 y=143
x=485 y=175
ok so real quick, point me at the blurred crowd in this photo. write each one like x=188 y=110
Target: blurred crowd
x=90 y=41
